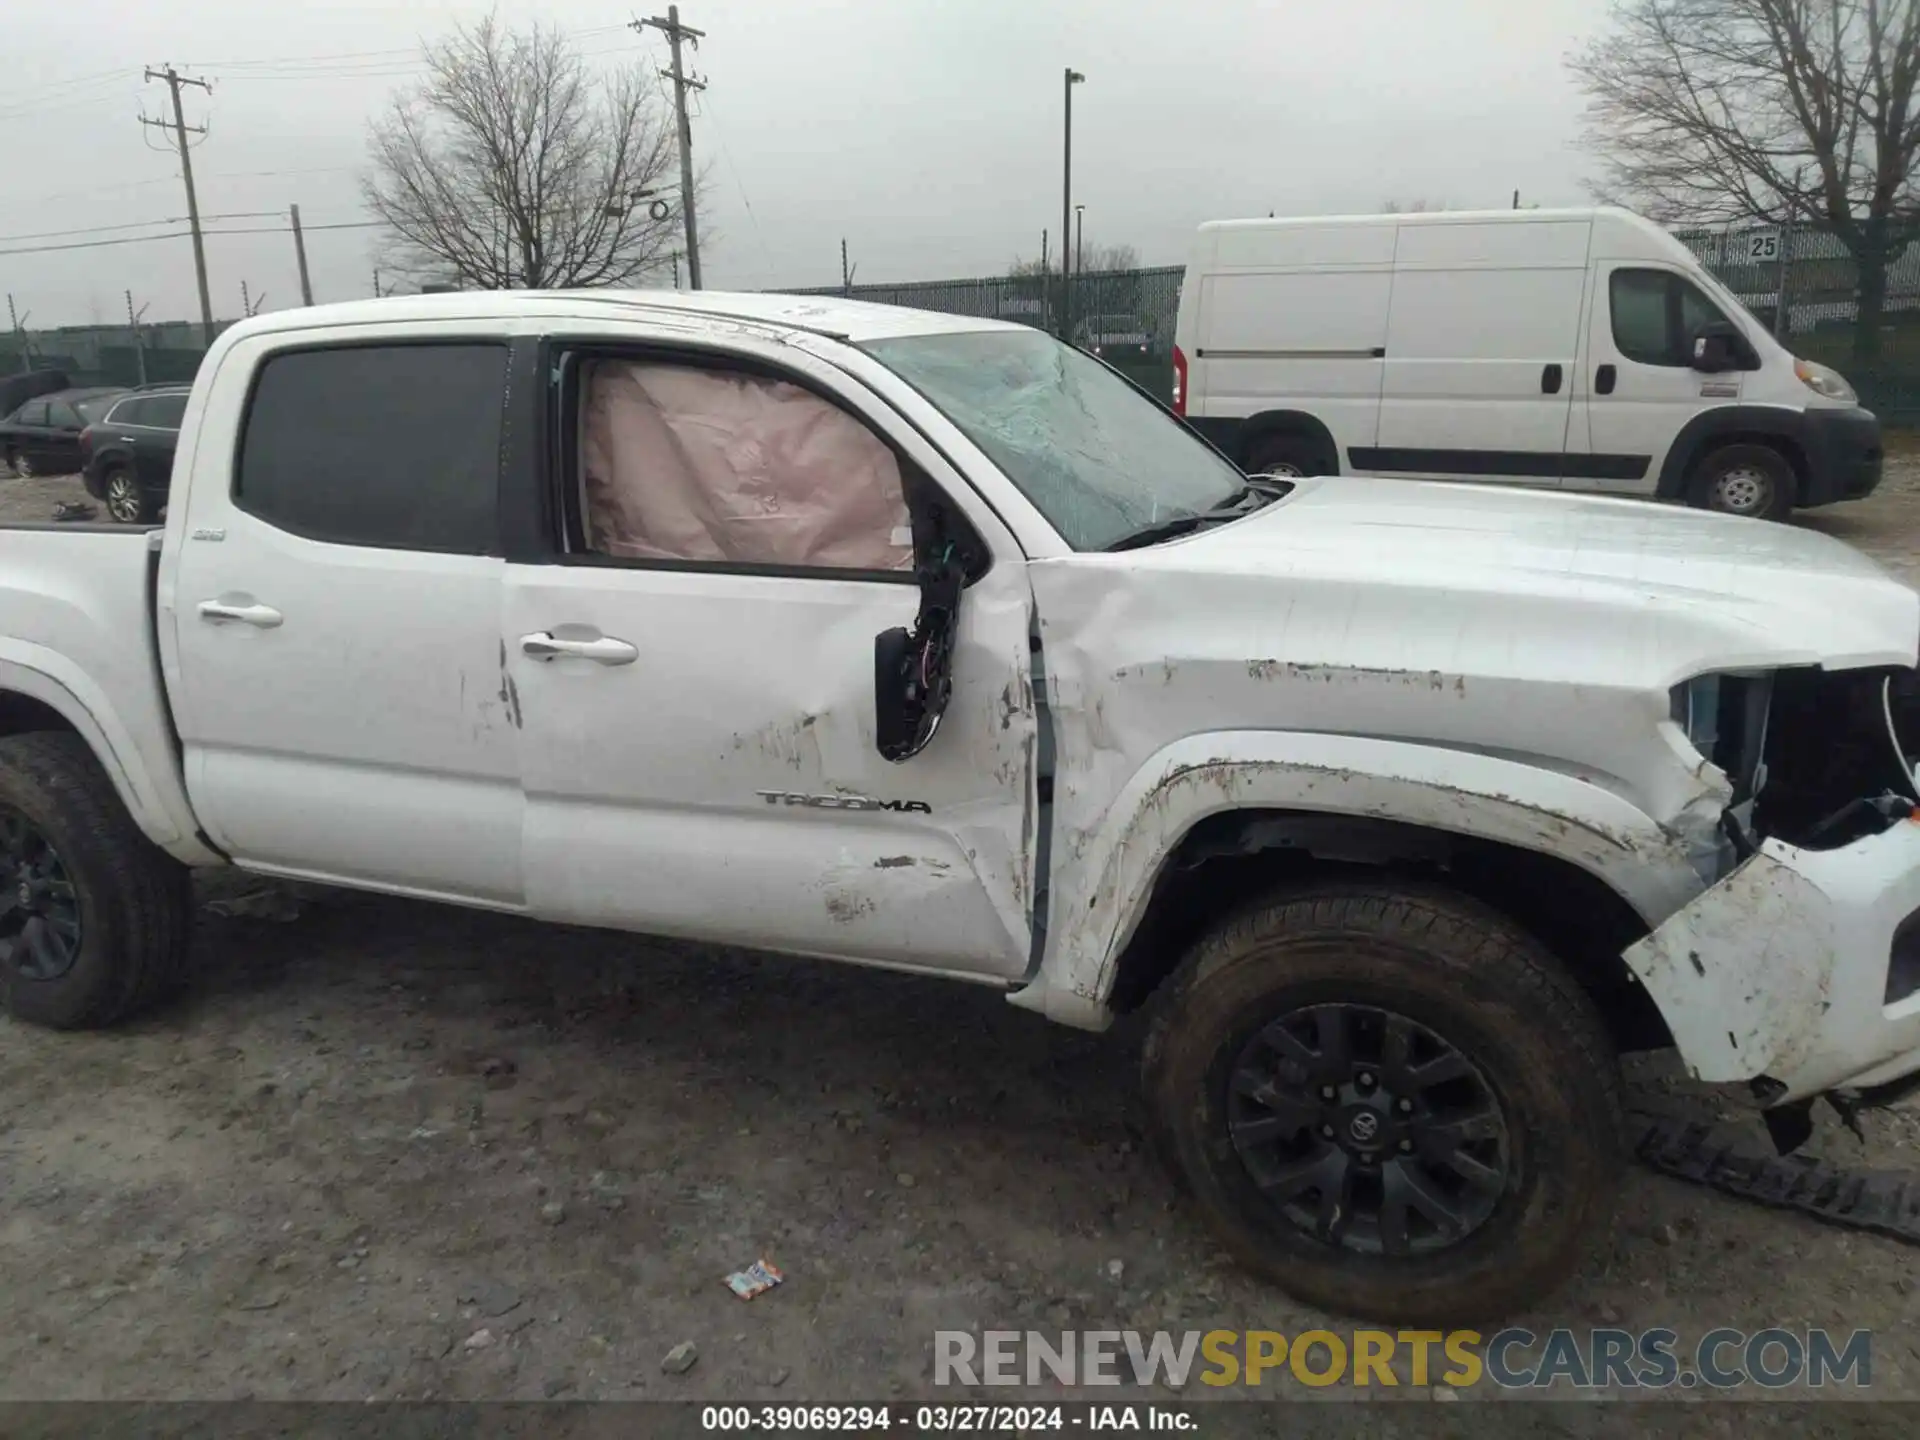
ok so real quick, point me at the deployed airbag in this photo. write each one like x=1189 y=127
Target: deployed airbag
x=691 y=464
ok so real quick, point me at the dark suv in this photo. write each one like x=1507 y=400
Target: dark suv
x=129 y=453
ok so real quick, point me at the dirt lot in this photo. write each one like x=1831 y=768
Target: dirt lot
x=390 y=1150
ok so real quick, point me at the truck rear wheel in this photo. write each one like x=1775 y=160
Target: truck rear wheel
x=93 y=917
x=1390 y=1101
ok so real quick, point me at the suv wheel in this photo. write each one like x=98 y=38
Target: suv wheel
x=1390 y=1101
x=125 y=502
x=1750 y=480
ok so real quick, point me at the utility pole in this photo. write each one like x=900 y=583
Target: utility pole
x=1516 y=199
x=300 y=254
x=1074 y=77
x=178 y=125
x=133 y=329
x=846 y=272
x=19 y=335
x=675 y=32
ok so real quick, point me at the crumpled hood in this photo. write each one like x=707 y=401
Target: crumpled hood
x=1682 y=582
x=1502 y=622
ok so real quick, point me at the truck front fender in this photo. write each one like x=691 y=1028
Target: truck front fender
x=1107 y=870
x=153 y=793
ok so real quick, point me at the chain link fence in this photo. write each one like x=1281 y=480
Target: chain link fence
x=107 y=354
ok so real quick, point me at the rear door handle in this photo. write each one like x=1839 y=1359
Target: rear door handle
x=1603 y=379
x=605 y=649
x=1550 y=380
x=262 y=617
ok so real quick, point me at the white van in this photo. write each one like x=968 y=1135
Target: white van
x=1579 y=349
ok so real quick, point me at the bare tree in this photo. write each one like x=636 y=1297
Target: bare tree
x=511 y=166
x=1106 y=259
x=1772 y=110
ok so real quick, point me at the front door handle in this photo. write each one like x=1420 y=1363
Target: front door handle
x=1550 y=380
x=262 y=617
x=1603 y=379
x=605 y=649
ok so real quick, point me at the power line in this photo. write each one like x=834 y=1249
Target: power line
x=136 y=225
x=181 y=234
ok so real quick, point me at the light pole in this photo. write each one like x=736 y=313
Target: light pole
x=1074 y=77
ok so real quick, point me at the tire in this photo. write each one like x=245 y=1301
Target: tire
x=1289 y=456
x=1440 y=971
x=128 y=903
x=126 y=502
x=1751 y=480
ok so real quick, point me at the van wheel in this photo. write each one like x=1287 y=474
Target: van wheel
x=1289 y=456
x=1750 y=480
x=93 y=916
x=1391 y=1102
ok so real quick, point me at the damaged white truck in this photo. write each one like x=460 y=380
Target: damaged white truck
x=927 y=642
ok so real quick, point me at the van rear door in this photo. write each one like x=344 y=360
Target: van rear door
x=1293 y=319
x=1481 y=346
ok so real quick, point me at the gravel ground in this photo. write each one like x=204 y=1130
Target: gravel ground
x=398 y=1150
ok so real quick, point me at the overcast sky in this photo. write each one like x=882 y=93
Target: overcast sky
x=925 y=131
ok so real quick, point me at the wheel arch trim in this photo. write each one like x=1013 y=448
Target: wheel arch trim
x=158 y=805
x=1111 y=878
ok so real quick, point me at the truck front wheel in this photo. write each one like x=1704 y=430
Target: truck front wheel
x=93 y=917
x=1390 y=1101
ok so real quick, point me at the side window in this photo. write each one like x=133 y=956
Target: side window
x=164 y=412
x=61 y=414
x=685 y=463
x=1696 y=310
x=1656 y=315
x=392 y=446
x=34 y=413
x=129 y=412
x=1640 y=313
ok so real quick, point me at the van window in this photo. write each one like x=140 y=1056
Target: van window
x=1656 y=314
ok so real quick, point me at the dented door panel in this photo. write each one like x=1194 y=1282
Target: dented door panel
x=1781 y=969
x=725 y=785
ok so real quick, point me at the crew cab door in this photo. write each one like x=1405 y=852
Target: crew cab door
x=690 y=649
x=330 y=612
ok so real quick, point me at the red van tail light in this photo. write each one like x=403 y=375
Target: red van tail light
x=1179 y=381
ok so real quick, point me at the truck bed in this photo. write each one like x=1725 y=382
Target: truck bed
x=85 y=594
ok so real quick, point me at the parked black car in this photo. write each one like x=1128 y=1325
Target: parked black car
x=42 y=437
x=129 y=452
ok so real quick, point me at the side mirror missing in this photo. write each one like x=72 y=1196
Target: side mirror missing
x=913 y=670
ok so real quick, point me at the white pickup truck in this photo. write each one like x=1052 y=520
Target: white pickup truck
x=928 y=642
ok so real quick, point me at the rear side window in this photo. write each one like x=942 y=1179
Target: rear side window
x=129 y=412
x=34 y=412
x=164 y=412
x=391 y=446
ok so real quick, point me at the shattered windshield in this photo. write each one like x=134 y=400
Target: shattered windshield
x=1098 y=458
